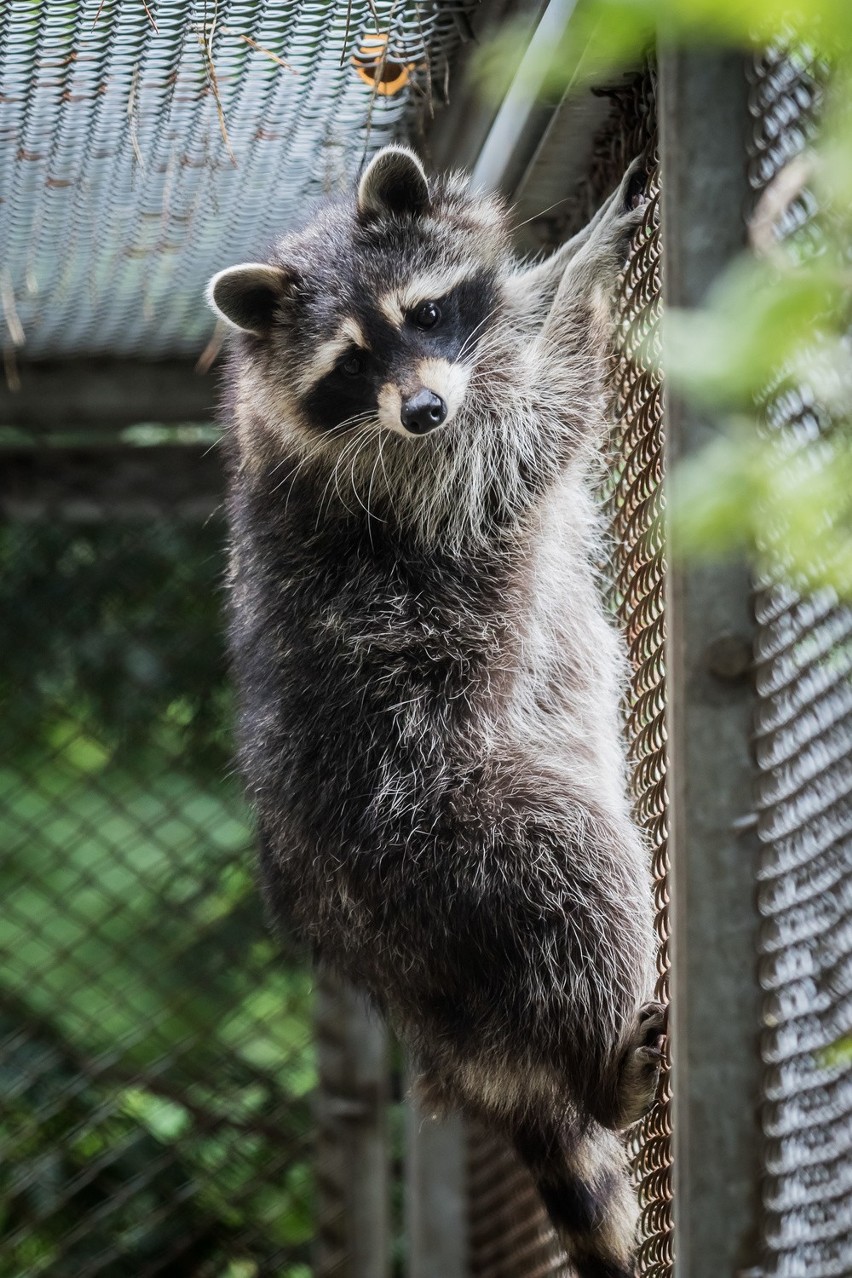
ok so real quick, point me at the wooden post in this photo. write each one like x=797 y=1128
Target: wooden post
x=715 y=1001
x=351 y=1166
x=435 y=1197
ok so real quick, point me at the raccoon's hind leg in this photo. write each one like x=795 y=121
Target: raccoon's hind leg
x=582 y=1175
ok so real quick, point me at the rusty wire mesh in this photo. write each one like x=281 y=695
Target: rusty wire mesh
x=804 y=730
x=635 y=506
x=143 y=147
x=509 y=1234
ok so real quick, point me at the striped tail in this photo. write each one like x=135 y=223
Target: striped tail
x=584 y=1182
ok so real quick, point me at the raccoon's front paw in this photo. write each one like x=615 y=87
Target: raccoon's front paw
x=633 y=191
x=632 y=206
x=641 y=1064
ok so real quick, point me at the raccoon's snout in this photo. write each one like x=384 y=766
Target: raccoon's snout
x=423 y=412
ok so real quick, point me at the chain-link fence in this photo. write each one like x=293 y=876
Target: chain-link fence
x=159 y=1055
x=156 y=1055
x=159 y=1106
x=141 y=142
x=509 y=1233
x=803 y=729
x=635 y=506
x=803 y=732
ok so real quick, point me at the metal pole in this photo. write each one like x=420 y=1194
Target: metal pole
x=351 y=1164
x=522 y=99
x=715 y=1003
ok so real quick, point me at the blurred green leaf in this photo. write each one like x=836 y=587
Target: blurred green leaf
x=164 y=1119
x=157 y=1061
x=773 y=324
x=755 y=322
x=605 y=36
x=838 y=1055
x=789 y=504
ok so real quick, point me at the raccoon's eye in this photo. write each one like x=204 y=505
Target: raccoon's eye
x=353 y=366
x=427 y=315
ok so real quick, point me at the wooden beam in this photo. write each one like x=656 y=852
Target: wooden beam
x=111 y=483
x=436 y=1204
x=715 y=993
x=106 y=395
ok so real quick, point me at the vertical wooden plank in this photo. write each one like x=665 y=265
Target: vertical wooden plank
x=715 y=1005
x=436 y=1195
x=351 y=1163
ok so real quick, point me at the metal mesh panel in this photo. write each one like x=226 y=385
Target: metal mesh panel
x=637 y=593
x=136 y=160
x=157 y=1066
x=509 y=1235
x=804 y=729
x=155 y=1056
x=130 y=910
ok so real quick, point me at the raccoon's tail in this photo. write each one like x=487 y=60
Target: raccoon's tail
x=583 y=1179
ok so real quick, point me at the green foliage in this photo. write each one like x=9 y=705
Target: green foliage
x=839 y=1054
x=757 y=322
x=121 y=634
x=156 y=1063
x=789 y=503
x=605 y=36
x=773 y=322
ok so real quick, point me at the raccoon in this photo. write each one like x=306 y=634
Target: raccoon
x=429 y=684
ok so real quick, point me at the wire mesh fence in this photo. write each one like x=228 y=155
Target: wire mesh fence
x=804 y=726
x=140 y=142
x=635 y=507
x=802 y=743
x=155 y=1048
x=157 y=1051
x=510 y=1237
x=802 y=735
x=158 y=1056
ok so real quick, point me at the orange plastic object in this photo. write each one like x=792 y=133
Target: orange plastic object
x=379 y=67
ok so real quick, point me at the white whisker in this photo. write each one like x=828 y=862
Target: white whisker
x=471 y=336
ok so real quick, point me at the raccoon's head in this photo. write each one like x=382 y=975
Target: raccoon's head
x=371 y=319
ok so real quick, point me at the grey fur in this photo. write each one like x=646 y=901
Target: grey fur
x=429 y=681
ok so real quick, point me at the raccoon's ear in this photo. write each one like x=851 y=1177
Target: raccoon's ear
x=394 y=182
x=246 y=297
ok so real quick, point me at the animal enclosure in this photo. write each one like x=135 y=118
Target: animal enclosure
x=177 y=1096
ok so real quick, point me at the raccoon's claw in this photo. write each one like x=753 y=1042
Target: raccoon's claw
x=642 y=1062
x=626 y=210
x=596 y=257
x=653 y=1024
x=634 y=186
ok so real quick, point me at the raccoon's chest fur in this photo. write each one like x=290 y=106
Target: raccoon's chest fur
x=379 y=680
x=371 y=669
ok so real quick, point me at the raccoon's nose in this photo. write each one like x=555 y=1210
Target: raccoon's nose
x=422 y=412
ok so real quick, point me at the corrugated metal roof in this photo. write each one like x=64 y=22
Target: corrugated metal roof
x=144 y=146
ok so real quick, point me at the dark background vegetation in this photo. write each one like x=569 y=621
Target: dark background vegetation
x=159 y=1062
